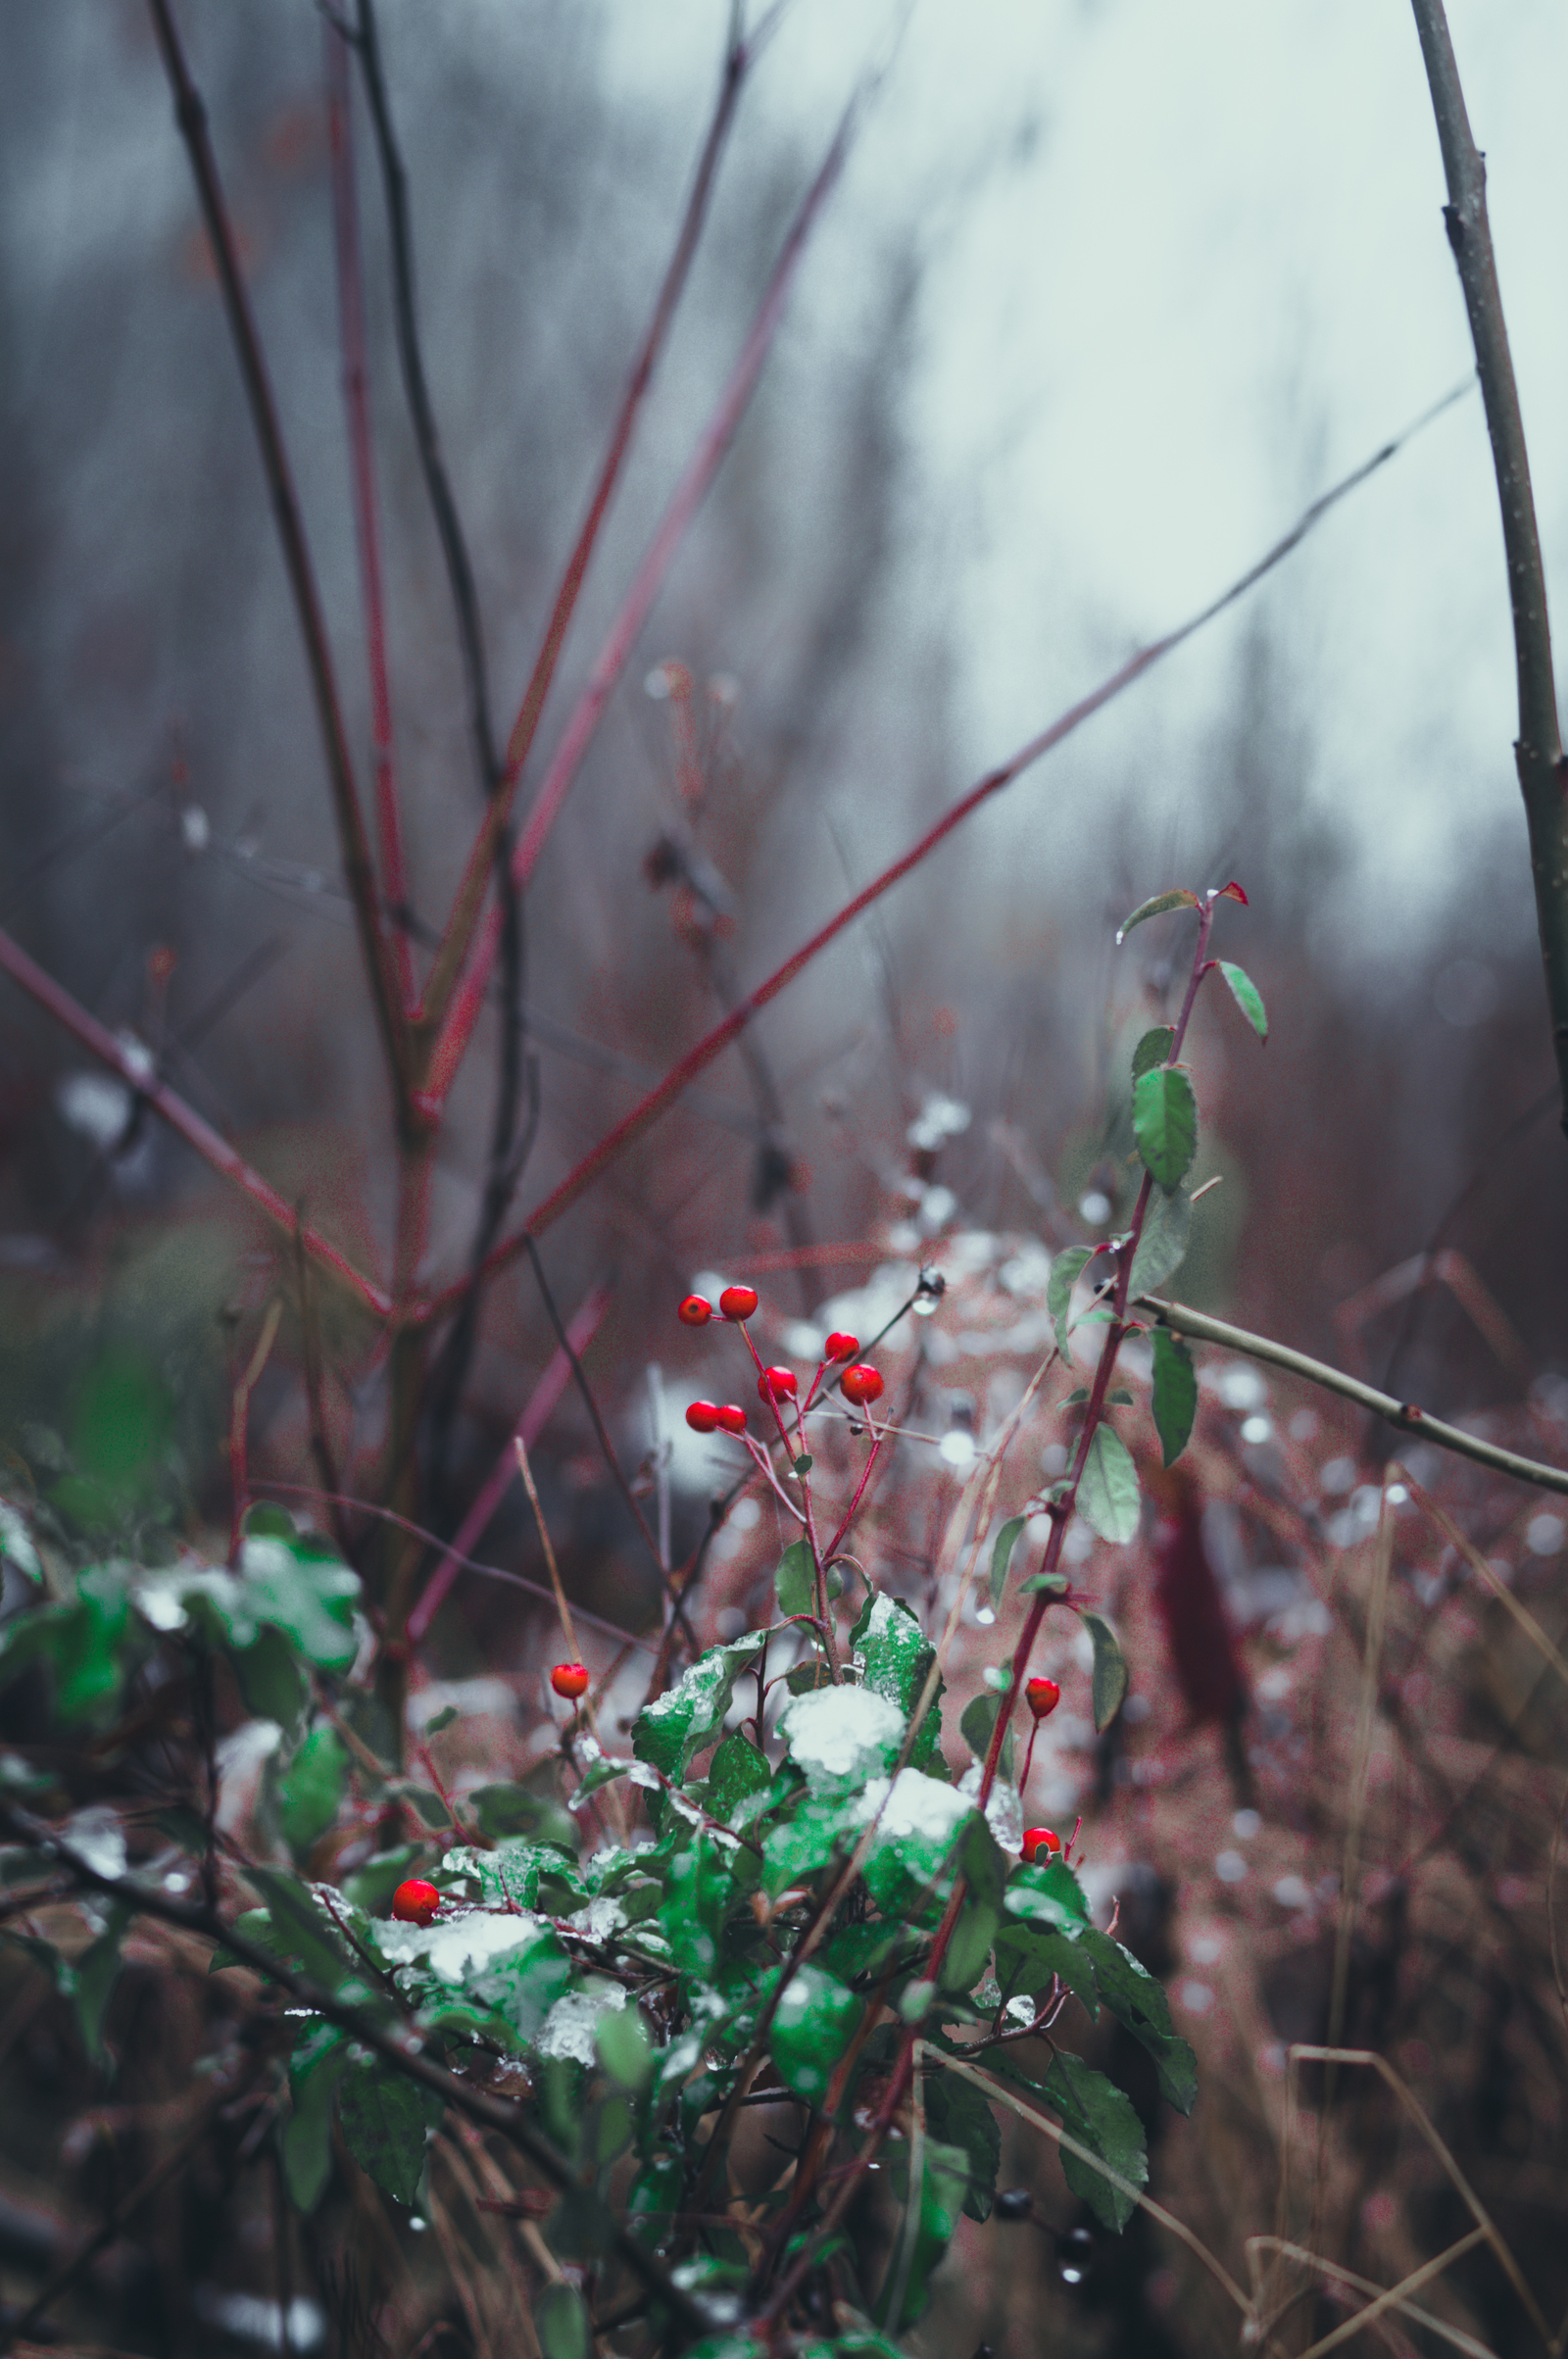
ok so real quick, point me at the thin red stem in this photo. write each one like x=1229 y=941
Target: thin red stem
x=352 y=843
x=459 y=936
x=461 y=1017
x=530 y=1425
x=366 y=517
x=134 y=1067
x=663 y=1095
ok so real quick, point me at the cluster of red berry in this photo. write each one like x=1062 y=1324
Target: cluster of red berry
x=859 y=1383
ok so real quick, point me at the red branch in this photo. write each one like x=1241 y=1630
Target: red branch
x=458 y=940
x=648 y=1109
x=134 y=1066
x=362 y=448
x=352 y=843
x=458 y=1028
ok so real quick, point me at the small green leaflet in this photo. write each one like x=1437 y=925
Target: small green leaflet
x=1107 y=1494
x=1248 y=999
x=1096 y=2114
x=1058 y=1290
x=560 y=2322
x=1152 y=1049
x=1180 y=899
x=1165 y=1123
x=384 y=2123
x=689 y=1715
x=1002 y=1554
x=814 y=2023
x=1175 y=1396
x=1139 y=2001
x=928 y=2227
x=1108 y=1683
x=1163 y=1246
x=793 y=1583
x=312 y=1787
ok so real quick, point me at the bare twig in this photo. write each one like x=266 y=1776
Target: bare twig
x=352 y=843
x=531 y=1424
x=1538 y=751
x=459 y=936
x=356 y=402
x=649 y=1108
x=460 y=1016
x=135 y=1069
x=1403 y=1413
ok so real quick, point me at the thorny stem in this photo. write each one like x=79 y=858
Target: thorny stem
x=659 y=1098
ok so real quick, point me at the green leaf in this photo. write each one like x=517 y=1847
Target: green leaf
x=737 y=1772
x=676 y=1725
x=1064 y=1273
x=97 y=1970
x=795 y=1582
x=1048 y=1895
x=957 y=2113
x=699 y=1891
x=385 y=2119
x=1030 y=1955
x=265 y=1521
x=805 y=1842
x=1248 y=999
x=442 y=1719
x=945 y=2187
x=518 y=1874
x=310 y=1789
x=310 y=1599
x=560 y=2322
x=897 y=1658
x=298 y=1928
x=814 y=2023
x=1165 y=1123
x=1180 y=899
x=507 y=1809
x=1002 y=1554
x=1175 y=1394
x=977 y=1727
x=320 y=2059
x=624 y=2047
x=1139 y=2001
x=1152 y=1049
x=1108 y=1682
x=1108 y=1491
x=1163 y=1244
x=974 y=1931
x=1096 y=2112
x=271 y=1680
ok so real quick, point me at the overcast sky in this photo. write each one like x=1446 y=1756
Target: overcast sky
x=1185 y=267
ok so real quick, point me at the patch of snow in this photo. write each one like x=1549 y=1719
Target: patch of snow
x=572 y=2021
x=839 y=1732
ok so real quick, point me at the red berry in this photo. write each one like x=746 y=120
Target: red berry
x=861 y=1383
x=702 y=1416
x=694 y=1311
x=1041 y=1840
x=778 y=1384
x=732 y=1418
x=842 y=1346
x=416 y=1902
x=570 y=1680
x=738 y=1301
x=1043 y=1696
